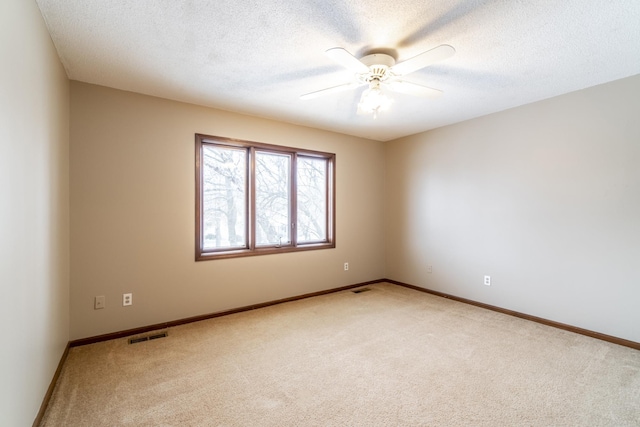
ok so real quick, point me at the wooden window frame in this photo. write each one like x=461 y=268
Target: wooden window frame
x=251 y=248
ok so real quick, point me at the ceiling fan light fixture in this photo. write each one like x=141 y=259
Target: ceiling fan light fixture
x=373 y=100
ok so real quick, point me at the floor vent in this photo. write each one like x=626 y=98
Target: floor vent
x=148 y=337
x=359 y=291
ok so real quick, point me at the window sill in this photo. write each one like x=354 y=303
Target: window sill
x=206 y=256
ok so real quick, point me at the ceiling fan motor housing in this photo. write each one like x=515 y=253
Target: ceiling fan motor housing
x=379 y=67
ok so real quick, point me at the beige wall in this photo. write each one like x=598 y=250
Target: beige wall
x=132 y=214
x=34 y=215
x=544 y=198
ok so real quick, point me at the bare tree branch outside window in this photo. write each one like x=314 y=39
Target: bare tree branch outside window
x=224 y=197
x=312 y=196
x=273 y=200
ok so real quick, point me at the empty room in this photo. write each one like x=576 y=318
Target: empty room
x=320 y=213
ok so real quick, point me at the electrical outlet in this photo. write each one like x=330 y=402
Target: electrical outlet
x=487 y=280
x=98 y=302
x=127 y=299
x=346 y=266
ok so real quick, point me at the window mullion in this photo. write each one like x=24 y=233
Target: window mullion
x=251 y=207
x=294 y=200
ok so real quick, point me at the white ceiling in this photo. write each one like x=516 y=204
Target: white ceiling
x=257 y=57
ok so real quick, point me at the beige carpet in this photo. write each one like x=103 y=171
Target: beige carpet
x=388 y=357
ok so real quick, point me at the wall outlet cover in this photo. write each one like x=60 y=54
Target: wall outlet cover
x=99 y=302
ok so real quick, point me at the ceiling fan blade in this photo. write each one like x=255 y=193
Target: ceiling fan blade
x=423 y=60
x=347 y=60
x=329 y=90
x=414 y=89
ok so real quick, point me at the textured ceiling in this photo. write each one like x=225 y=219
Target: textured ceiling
x=257 y=57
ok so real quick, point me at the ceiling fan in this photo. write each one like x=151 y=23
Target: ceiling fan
x=379 y=71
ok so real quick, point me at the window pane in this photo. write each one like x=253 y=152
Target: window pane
x=224 y=211
x=273 y=199
x=312 y=199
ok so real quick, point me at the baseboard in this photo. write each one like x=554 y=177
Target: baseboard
x=52 y=385
x=155 y=327
x=574 y=329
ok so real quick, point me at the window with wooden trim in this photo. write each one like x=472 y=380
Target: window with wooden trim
x=254 y=198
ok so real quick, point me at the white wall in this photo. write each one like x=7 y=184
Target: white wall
x=544 y=198
x=34 y=211
x=133 y=220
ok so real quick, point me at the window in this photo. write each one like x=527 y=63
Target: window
x=254 y=199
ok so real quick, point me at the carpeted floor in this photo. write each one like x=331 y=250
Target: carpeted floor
x=391 y=356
